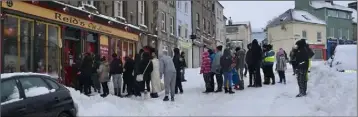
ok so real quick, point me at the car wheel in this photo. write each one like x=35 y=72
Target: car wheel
x=63 y=114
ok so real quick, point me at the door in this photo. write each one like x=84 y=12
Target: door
x=37 y=95
x=12 y=103
x=59 y=98
x=72 y=52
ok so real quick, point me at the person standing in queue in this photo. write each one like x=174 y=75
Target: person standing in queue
x=178 y=63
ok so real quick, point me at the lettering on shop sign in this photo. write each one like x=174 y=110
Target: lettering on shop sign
x=82 y=23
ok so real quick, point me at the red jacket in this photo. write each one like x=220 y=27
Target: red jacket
x=206 y=63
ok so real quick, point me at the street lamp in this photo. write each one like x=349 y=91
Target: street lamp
x=192 y=37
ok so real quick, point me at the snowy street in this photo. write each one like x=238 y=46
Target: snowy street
x=330 y=93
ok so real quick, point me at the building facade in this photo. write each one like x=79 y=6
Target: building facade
x=293 y=25
x=238 y=34
x=183 y=27
x=50 y=41
x=203 y=27
x=338 y=19
x=220 y=24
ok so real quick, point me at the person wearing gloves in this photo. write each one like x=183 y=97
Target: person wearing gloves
x=167 y=69
x=205 y=70
x=155 y=76
x=226 y=67
x=281 y=66
x=103 y=72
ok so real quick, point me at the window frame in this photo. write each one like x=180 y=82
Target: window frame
x=32 y=76
x=319 y=36
x=197 y=18
x=304 y=34
x=186 y=7
x=118 y=8
x=172 y=30
x=163 y=21
x=340 y=33
x=141 y=11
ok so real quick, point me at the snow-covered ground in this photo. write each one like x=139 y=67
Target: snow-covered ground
x=329 y=93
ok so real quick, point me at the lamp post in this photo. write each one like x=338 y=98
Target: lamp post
x=192 y=37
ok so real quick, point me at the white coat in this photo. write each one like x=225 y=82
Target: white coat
x=155 y=77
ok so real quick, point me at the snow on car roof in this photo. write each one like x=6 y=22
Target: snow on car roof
x=9 y=75
x=306 y=17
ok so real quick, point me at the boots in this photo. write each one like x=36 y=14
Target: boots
x=166 y=98
x=226 y=91
x=154 y=95
x=230 y=91
x=172 y=99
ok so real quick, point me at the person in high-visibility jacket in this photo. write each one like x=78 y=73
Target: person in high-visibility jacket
x=269 y=59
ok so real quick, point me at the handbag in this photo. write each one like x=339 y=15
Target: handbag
x=139 y=77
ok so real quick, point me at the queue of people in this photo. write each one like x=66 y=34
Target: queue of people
x=139 y=76
x=231 y=65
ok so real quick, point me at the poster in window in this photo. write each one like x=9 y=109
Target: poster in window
x=104 y=46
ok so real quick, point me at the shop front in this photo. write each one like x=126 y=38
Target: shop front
x=48 y=41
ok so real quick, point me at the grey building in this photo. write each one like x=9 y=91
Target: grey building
x=203 y=27
x=162 y=23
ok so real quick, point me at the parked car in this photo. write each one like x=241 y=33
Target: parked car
x=34 y=95
x=345 y=58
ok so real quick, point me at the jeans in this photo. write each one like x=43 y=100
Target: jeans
x=228 y=79
x=105 y=88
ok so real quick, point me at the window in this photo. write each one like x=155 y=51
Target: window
x=331 y=31
x=10 y=48
x=186 y=7
x=9 y=91
x=204 y=24
x=172 y=25
x=348 y=34
x=179 y=31
x=88 y=2
x=197 y=18
x=332 y=13
x=186 y=33
x=118 y=9
x=342 y=14
x=209 y=25
x=53 y=84
x=179 y=4
x=163 y=22
x=339 y=33
x=32 y=86
x=304 y=34
x=319 y=36
x=54 y=51
x=141 y=12
x=25 y=45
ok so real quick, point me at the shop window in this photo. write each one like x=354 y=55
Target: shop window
x=10 y=44
x=39 y=48
x=25 y=45
x=130 y=50
x=125 y=49
x=53 y=50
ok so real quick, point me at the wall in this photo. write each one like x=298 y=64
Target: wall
x=168 y=41
x=311 y=30
x=220 y=23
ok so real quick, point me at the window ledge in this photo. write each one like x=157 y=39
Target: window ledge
x=91 y=6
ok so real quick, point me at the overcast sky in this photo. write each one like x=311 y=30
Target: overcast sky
x=259 y=12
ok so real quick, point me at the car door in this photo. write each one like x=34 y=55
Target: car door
x=36 y=93
x=59 y=98
x=12 y=99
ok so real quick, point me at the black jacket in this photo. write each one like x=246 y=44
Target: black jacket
x=302 y=55
x=248 y=57
x=226 y=61
x=183 y=62
x=143 y=64
x=137 y=60
x=129 y=67
x=256 y=53
x=86 y=66
x=116 y=67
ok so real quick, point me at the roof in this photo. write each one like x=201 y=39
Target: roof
x=323 y=4
x=9 y=75
x=295 y=15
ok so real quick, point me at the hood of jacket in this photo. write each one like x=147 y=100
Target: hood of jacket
x=301 y=43
x=176 y=51
x=227 y=52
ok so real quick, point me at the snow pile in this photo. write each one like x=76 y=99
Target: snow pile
x=36 y=91
x=332 y=93
x=346 y=56
x=306 y=17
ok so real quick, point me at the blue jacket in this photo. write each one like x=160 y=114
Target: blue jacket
x=270 y=53
x=212 y=56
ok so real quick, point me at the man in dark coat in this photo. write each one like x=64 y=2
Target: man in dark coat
x=256 y=57
x=183 y=66
x=128 y=75
x=293 y=60
x=302 y=55
x=177 y=63
x=249 y=64
x=85 y=74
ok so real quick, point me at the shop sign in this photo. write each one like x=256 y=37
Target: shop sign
x=68 y=19
x=104 y=51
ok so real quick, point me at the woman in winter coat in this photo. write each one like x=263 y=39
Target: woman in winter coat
x=145 y=68
x=281 y=65
x=103 y=72
x=206 y=71
x=155 y=76
x=226 y=67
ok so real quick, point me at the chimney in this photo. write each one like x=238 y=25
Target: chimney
x=230 y=21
